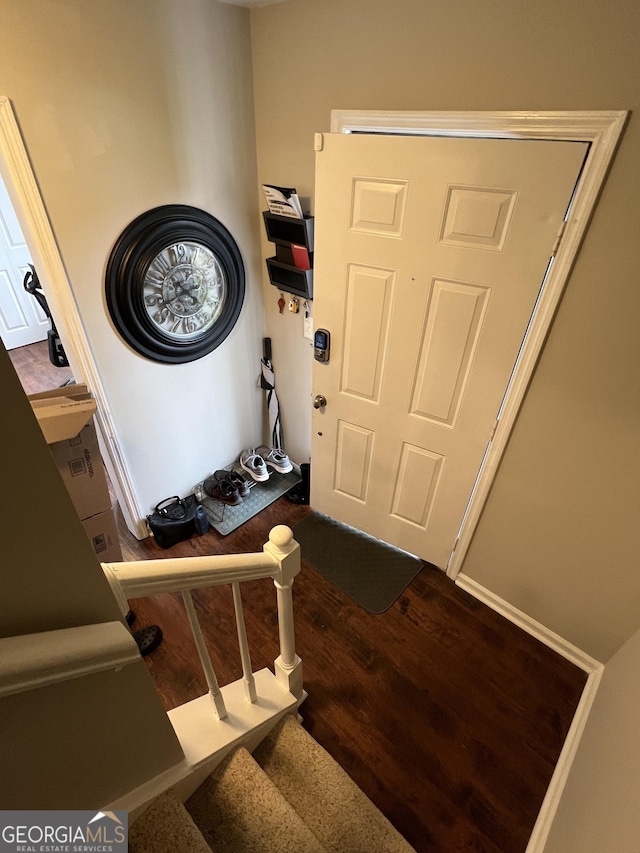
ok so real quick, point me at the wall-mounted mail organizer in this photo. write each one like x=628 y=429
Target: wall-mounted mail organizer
x=292 y=267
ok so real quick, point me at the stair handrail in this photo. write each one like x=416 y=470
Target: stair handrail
x=32 y=661
x=279 y=560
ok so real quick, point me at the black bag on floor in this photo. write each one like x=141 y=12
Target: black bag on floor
x=176 y=519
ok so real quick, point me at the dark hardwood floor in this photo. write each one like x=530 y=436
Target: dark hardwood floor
x=447 y=716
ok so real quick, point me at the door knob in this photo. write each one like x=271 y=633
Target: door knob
x=319 y=401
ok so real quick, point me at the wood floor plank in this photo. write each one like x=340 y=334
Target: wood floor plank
x=36 y=372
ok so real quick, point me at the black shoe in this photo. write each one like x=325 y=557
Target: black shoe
x=222 y=490
x=148 y=639
x=237 y=480
x=299 y=494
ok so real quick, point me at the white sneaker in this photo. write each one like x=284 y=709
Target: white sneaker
x=254 y=465
x=276 y=459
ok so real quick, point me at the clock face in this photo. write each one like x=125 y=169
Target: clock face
x=184 y=290
x=175 y=284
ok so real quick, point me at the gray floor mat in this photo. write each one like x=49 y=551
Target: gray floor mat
x=371 y=572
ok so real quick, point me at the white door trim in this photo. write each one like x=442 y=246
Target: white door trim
x=600 y=128
x=29 y=208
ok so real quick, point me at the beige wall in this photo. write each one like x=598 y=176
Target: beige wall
x=125 y=105
x=76 y=744
x=559 y=538
x=599 y=806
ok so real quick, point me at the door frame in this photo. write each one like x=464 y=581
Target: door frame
x=29 y=208
x=602 y=129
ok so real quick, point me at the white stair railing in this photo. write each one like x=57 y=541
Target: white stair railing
x=32 y=661
x=247 y=670
x=203 y=654
x=279 y=559
x=249 y=707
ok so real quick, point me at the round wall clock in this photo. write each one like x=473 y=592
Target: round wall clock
x=175 y=283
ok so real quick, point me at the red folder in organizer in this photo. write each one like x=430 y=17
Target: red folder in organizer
x=300 y=257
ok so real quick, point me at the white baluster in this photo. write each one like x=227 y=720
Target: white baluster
x=205 y=660
x=249 y=681
x=288 y=666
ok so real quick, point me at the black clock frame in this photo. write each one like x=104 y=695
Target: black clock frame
x=135 y=249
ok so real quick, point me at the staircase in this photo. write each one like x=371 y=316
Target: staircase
x=290 y=796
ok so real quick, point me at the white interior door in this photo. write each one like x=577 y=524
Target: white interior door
x=22 y=321
x=430 y=254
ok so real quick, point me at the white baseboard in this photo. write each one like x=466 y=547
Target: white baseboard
x=549 y=806
x=581 y=659
x=531 y=626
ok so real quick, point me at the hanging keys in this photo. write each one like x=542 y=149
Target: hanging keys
x=294 y=305
x=281 y=303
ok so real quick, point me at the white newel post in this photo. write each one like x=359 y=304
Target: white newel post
x=288 y=666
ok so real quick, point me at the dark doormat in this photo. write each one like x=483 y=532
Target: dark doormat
x=371 y=572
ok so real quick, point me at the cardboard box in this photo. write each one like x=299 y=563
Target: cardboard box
x=75 y=390
x=103 y=535
x=62 y=412
x=80 y=464
x=65 y=417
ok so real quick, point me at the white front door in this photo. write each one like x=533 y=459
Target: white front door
x=429 y=256
x=22 y=321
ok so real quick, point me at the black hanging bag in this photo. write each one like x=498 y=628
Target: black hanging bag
x=176 y=519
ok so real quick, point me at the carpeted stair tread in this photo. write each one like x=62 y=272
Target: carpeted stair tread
x=339 y=814
x=238 y=809
x=166 y=827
